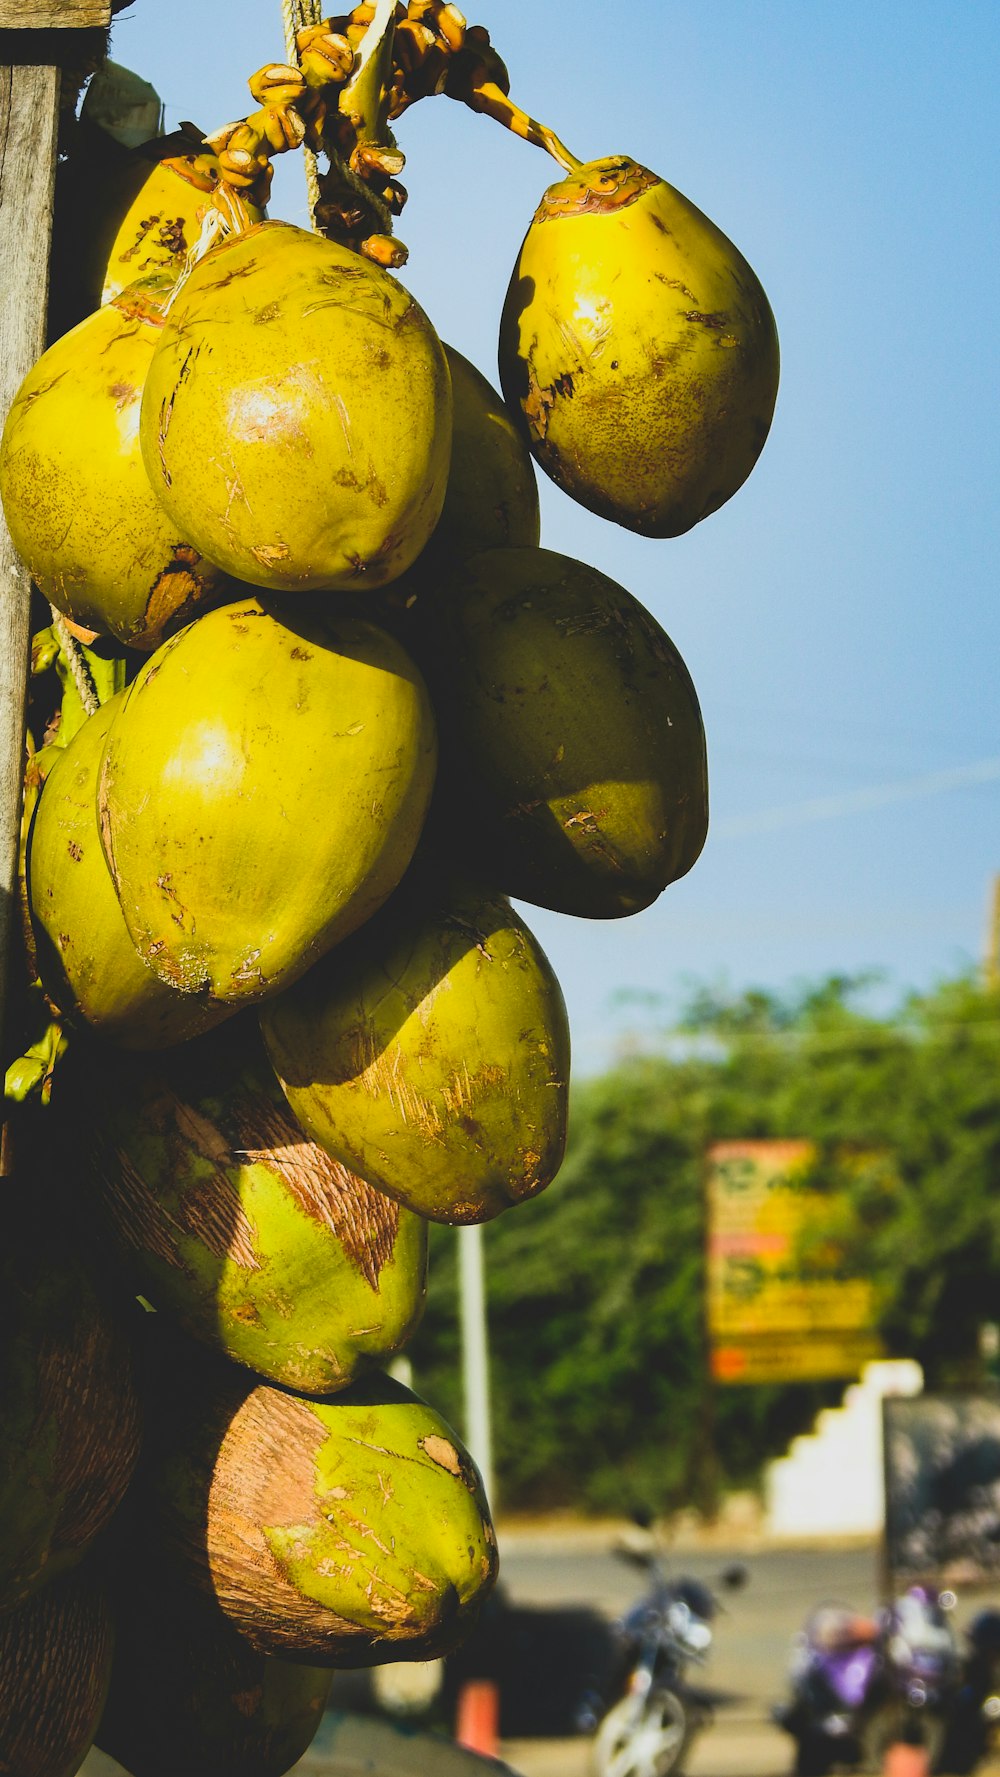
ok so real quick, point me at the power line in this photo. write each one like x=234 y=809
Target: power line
x=828 y=808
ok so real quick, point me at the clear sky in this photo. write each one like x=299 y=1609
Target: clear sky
x=840 y=615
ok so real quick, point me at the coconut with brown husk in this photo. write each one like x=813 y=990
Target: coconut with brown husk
x=55 y=1665
x=227 y=1217
x=69 y=1418
x=343 y=1533
x=189 y=1694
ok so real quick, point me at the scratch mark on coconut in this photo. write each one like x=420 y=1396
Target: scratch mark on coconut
x=247 y=973
x=270 y=553
x=178 y=912
x=365 y=1532
x=28 y=401
x=345 y=423
x=166 y=414
x=234 y=491
x=441 y=1451
x=363 y=1220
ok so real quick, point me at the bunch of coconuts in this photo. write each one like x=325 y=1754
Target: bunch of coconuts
x=313 y=705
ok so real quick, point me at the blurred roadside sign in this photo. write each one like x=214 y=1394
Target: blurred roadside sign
x=783 y=1302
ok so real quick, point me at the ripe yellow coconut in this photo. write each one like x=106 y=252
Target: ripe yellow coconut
x=639 y=348
x=263 y=788
x=296 y=422
x=78 y=502
x=573 y=766
x=87 y=961
x=432 y=1053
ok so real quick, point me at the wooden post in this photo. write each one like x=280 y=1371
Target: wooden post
x=992 y=960
x=31 y=38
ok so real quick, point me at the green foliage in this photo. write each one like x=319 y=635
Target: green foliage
x=596 y=1288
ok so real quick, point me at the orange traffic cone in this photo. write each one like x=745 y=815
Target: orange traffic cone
x=902 y=1760
x=477 y=1719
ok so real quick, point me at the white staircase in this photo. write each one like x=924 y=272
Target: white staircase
x=831 y=1481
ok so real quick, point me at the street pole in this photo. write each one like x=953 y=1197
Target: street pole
x=475 y=1352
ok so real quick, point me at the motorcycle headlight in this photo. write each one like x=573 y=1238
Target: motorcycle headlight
x=698 y=1637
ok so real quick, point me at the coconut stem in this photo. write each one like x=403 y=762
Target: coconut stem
x=494 y=102
x=365 y=97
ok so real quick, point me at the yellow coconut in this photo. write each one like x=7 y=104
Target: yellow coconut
x=78 y=502
x=148 y=215
x=263 y=788
x=639 y=347
x=297 y=415
x=573 y=766
x=432 y=1052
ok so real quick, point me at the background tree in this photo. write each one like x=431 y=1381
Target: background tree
x=596 y=1291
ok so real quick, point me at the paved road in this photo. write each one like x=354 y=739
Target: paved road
x=752 y=1639
x=748 y=1659
x=752 y=1634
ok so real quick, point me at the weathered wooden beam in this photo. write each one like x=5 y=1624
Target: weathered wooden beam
x=29 y=98
x=53 y=15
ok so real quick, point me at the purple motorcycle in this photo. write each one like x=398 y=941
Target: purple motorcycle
x=860 y=1684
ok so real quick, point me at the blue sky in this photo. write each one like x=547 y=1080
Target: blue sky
x=840 y=615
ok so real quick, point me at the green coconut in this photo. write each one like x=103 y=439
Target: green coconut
x=69 y=1417
x=639 y=349
x=82 y=514
x=573 y=768
x=55 y=1666
x=491 y=501
x=263 y=787
x=188 y=1694
x=225 y=1216
x=492 y=496
x=297 y=414
x=343 y=1533
x=434 y=1051
x=87 y=962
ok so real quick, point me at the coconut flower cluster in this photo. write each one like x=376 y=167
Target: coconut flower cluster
x=311 y=705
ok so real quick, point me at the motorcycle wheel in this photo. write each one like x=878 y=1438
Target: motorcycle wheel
x=893 y=1723
x=648 y=1740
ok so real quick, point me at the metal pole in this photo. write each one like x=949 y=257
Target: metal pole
x=475 y=1352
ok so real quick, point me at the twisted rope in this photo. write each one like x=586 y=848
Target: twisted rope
x=296 y=16
x=73 y=656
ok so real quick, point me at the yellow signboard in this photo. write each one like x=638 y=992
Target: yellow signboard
x=783 y=1304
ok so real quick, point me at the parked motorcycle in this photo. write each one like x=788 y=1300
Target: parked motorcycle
x=655 y=1714
x=974 y=1722
x=861 y=1684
